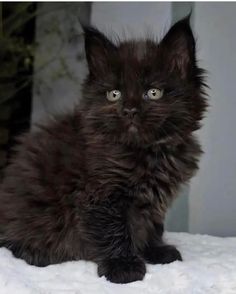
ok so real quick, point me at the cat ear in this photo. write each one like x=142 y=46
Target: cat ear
x=98 y=50
x=179 y=45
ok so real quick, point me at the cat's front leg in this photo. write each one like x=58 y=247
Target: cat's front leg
x=122 y=269
x=157 y=252
x=109 y=230
x=161 y=254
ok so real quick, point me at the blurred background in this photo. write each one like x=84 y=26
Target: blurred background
x=42 y=64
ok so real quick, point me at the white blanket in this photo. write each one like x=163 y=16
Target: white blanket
x=209 y=267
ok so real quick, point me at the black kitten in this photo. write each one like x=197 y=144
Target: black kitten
x=95 y=184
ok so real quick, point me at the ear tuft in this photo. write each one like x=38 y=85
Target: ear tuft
x=98 y=48
x=179 y=45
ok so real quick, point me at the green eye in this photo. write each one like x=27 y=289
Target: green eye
x=113 y=95
x=153 y=94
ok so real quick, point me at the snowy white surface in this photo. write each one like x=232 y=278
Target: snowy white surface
x=209 y=267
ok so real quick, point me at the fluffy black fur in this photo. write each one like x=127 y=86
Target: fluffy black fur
x=95 y=183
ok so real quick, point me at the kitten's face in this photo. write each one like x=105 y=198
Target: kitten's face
x=142 y=92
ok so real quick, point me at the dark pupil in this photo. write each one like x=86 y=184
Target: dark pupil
x=114 y=94
x=154 y=93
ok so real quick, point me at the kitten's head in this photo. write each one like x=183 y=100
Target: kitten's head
x=143 y=92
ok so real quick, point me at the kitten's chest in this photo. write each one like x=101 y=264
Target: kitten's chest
x=150 y=178
x=123 y=166
x=134 y=171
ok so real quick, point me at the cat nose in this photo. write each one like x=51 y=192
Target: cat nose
x=130 y=112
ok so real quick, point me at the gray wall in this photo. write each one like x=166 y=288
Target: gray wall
x=132 y=17
x=213 y=190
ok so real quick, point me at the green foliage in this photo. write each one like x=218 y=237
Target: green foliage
x=17 y=52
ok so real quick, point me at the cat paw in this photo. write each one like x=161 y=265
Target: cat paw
x=122 y=270
x=161 y=254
